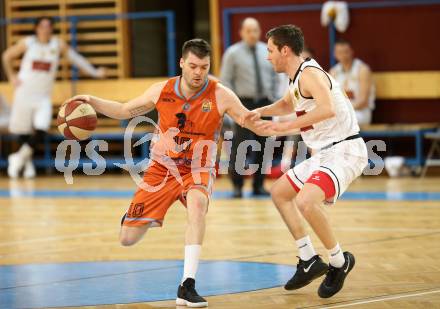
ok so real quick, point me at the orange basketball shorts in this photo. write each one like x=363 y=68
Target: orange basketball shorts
x=151 y=206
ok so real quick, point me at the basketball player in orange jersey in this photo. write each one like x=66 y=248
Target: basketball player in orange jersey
x=195 y=105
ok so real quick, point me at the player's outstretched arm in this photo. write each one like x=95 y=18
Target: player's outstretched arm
x=230 y=104
x=314 y=84
x=81 y=62
x=282 y=107
x=135 y=107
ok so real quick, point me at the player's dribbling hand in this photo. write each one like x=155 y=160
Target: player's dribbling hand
x=82 y=97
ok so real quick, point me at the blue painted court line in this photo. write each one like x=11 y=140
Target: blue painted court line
x=349 y=196
x=68 y=193
x=99 y=283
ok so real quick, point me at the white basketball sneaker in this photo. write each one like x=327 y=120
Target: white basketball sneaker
x=29 y=170
x=16 y=161
x=14 y=165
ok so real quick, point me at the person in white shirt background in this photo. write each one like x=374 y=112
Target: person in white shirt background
x=356 y=78
x=31 y=111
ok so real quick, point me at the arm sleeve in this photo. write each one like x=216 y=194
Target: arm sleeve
x=82 y=62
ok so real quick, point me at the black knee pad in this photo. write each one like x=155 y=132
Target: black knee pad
x=36 y=138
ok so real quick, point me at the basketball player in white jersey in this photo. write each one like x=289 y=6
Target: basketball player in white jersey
x=327 y=123
x=32 y=107
x=356 y=79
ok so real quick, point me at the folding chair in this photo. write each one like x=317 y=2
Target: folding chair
x=433 y=151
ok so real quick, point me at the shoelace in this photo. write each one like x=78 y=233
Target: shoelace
x=330 y=275
x=300 y=262
x=191 y=288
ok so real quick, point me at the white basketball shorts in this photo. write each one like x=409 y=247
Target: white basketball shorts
x=30 y=112
x=343 y=162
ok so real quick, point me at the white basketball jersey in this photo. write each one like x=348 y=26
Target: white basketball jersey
x=350 y=81
x=326 y=132
x=39 y=66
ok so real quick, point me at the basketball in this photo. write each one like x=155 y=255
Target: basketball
x=76 y=120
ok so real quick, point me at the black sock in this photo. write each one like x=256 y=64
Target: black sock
x=36 y=138
x=23 y=139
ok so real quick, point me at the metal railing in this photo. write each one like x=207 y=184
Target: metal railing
x=169 y=17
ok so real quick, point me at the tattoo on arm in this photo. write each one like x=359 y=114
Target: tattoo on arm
x=138 y=111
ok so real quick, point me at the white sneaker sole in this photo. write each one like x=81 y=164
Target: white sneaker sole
x=29 y=173
x=182 y=302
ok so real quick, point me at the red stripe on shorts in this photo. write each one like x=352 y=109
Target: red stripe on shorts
x=324 y=181
x=292 y=183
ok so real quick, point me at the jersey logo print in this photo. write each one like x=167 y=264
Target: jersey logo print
x=41 y=66
x=206 y=106
x=296 y=94
x=170 y=100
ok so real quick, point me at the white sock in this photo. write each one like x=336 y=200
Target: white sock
x=305 y=247
x=25 y=151
x=336 y=256
x=192 y=254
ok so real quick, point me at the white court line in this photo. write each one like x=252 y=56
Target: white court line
x=346 y=228
x=233 y=226
x=386 y=298
x=54 y=238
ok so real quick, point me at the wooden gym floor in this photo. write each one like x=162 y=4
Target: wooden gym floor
x=391 y=225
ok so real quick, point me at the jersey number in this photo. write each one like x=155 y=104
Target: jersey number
x=180 y=141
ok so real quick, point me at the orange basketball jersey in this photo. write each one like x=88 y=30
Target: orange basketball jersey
x=199 y=123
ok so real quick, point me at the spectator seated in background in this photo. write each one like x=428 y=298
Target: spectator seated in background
x=356 y=79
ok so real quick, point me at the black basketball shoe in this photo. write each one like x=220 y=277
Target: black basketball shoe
x=334 y=281
x=306 y=272
x=187 y=295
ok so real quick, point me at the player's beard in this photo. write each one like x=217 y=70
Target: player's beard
x=195 y=85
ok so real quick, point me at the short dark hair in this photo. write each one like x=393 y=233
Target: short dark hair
x=198 y=47
x=41 y=18
x=342 y=42
x=287 y=35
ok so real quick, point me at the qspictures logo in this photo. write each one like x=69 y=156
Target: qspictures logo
x=164 y=143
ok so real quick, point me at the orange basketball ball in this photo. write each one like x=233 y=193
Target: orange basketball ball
x=76 y=120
